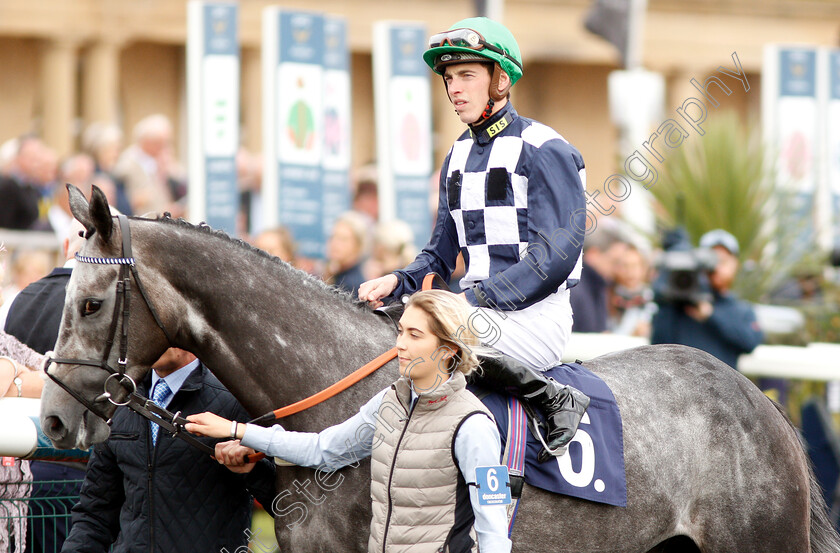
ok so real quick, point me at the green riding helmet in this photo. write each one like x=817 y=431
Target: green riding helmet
x=475 y=39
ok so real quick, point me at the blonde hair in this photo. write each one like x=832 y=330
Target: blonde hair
x=396 y=238
x=360 y=226
x=449 y=320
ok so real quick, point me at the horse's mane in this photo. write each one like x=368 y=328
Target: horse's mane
x=240 y=244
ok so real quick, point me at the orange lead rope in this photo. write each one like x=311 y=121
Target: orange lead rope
x=336 y=388
x=429 y=281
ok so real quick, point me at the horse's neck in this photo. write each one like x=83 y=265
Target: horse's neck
x=270 y=333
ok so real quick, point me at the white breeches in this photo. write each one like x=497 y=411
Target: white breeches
x=536 y=335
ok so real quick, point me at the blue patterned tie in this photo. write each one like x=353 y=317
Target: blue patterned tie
x=160 y=393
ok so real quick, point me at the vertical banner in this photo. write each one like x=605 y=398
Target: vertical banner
x=791 y=121
x=337 y=122
x=213 y=113
x=832 y=141
x=293 y=51
x=403 y=125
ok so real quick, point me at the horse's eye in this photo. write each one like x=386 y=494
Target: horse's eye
x=91 y=307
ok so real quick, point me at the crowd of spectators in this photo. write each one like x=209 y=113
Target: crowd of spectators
x=614 y=294
x=143 y=177
x=619 y=293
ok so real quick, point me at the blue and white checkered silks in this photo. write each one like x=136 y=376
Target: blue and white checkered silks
x=488 y=200
x=159 y=396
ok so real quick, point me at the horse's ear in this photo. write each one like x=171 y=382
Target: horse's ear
x=80 y=208
x=100 y=214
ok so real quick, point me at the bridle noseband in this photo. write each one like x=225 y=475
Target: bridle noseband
x=122 y=300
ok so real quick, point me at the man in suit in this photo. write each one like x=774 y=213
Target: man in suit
x=147 y=491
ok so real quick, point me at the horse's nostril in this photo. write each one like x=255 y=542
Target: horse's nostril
x=55 y=426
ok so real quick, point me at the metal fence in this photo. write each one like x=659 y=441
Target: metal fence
x=36 y=513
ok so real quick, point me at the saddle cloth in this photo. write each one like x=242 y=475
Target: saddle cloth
x=593 y=466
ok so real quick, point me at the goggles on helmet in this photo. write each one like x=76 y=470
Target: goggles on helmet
x=467 y=38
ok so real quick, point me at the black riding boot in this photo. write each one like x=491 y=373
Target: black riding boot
x=563 y=406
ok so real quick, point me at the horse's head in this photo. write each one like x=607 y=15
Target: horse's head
x=93 y=315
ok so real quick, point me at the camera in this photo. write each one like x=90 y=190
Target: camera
x=683 y=272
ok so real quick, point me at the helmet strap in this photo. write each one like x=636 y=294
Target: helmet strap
x=495 y=93
x=488 y=110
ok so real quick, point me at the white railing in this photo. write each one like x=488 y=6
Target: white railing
x=818 y=361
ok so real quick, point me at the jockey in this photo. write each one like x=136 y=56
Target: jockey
x=512 y=203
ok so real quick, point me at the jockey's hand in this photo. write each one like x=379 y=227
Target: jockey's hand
x=374 y=290
x=232 y=455
x=208 y=424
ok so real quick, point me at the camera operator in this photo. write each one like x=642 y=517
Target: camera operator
x=715 y=321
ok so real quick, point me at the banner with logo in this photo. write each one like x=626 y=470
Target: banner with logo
x=790 y=121
x=213 y=112
x=832 y=137
x=403 y=125
x=293 y=143
x=337 y=122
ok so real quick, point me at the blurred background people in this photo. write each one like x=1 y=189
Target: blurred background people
x=347 y=248
x=601 y=251
x=77 y=170
x=631 y=306
x=278 y=242
x=20 y=369
x=366 y=192
x=144 y=167
x=249 y=179
x=393 y=248
x=722 y=325
x=103 y=142
x=26 y=267
x=25 y=189
x=35 y=315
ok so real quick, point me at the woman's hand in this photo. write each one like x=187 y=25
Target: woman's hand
x=232 y=455
x=208 y=424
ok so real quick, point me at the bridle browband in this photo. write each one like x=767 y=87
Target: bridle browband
x=136 y=402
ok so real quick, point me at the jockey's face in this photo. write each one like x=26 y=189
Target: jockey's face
x=468 y=86
x=423 y=358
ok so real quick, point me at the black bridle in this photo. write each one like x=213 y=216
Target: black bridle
x=173 y=423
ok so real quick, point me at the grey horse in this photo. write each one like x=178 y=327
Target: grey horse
x=712 y=464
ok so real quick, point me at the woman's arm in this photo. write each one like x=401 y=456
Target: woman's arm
x=332 y=448
x=31 y=382
x=477 y=444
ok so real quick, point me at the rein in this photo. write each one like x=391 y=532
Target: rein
x=430 y=281
x=369 y=368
